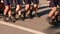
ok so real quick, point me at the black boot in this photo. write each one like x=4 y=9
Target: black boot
x=24 y=15
x=4 y=18
x=36 y=14
x=9 y=19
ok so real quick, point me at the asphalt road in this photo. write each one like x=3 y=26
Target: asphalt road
x=37 y=25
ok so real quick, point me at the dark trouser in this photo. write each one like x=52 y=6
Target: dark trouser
x=54 y=3
x=33 y=1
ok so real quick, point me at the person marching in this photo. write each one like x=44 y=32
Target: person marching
x=7 y=9
x=28 y=4
x=18 y=7
x=27 y=8
x=51 y=15
x=35 y=6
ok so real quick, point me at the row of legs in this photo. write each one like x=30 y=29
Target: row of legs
x=8 y=10
x=51 y=16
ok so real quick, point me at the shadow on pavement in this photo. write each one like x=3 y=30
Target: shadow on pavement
x=58 y=33
x=43 y=7
x=39 y=14
x=53 y=29
x=43 y=12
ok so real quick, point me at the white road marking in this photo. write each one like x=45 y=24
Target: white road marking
x=22 y=28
